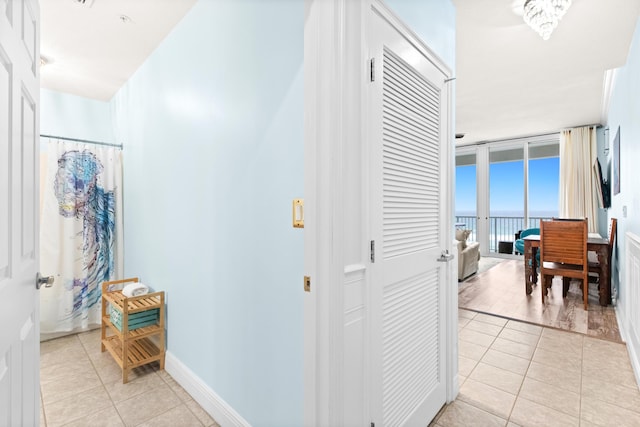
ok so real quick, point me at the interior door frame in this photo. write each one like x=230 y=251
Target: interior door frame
x=336 y=59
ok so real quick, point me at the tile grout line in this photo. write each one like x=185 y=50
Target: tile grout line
x=581 y=381
x=585 y=339
x=479 y=361
x=44 y=414
x=65 y=422
x=166 y=380
x=530 y=359
x=115 y=406
x=100 y=378
x=524 y=376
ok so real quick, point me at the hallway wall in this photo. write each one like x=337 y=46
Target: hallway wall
x=624 y=111
x=73 y=116
x=212 y=128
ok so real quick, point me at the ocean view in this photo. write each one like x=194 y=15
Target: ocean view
x=503 y=225
x=505 y=190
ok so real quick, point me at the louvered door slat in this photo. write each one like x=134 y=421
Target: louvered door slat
x=410 y=325
x=410 y=226
x=416 y=83
x=410 y=152
x=403 y=139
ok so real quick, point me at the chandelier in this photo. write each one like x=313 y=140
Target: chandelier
x=543 y=15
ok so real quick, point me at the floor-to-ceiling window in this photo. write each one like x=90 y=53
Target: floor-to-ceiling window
x=506 y=195
x=544 y=175
x=505 y=187
x=466 y=193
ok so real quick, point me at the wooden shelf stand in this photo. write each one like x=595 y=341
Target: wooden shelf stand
x=132 y=348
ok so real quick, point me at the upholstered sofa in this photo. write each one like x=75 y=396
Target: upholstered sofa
x=468 y=255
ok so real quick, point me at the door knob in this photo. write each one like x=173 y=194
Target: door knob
x=47 y=281
x=445 y=256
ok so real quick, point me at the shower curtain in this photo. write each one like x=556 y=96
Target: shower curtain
x=80 y=232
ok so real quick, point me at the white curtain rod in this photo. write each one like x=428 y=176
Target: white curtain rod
x=82 y=140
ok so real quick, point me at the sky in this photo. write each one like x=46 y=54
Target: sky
x=506 y=183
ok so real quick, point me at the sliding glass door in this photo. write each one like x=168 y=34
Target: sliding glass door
x=506 y=196
x=505 y=187
x=466 y=194
x=544 y=181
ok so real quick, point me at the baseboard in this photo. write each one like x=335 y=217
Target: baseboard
x=628 y=338
x=215 y=406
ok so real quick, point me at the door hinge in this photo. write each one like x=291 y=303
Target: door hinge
x=307 y=283
x=373 y=251
x=372 y=69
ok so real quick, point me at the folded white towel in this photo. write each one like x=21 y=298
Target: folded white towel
x=135 y=289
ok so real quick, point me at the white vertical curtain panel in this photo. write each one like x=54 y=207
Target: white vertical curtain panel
x=578 y=181
x=80 y=232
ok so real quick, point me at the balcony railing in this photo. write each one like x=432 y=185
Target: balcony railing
x=501 y=228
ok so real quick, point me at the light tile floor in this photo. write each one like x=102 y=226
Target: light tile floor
x=516 y=374
x=80 y=386
x=511 y=374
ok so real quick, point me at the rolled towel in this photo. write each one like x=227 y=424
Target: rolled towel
x=135 y=289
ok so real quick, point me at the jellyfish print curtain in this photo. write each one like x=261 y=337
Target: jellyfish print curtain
x=80 y=232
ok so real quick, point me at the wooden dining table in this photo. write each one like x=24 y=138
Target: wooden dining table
x=595 y=243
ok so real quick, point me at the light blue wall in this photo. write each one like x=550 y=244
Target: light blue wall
x=212 y=125
x=434 y=21
x=72 y=116
x=624 y=111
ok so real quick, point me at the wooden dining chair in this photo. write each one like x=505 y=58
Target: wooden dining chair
x=594 y=264
x=563 y=252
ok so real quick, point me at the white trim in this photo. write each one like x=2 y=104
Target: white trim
x=326 y=53
x=631 y=349
x=535 y=138
x=608 y=83
x=379 y=7
x=355 y=270
x=451 y=288
x=213 y=404
x=625 y=310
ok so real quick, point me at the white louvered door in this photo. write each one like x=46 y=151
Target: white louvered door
x=19 y=154
x=408 y=104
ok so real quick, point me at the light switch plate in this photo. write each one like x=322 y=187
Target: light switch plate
x=298 y=213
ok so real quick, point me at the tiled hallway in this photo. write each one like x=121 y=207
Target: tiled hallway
x=517 y=374
x=82 y=387
x=511 y=374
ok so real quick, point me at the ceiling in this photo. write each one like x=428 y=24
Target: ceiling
x=91 y=50
x=509 y=82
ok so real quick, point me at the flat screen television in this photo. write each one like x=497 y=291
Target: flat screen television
x=603 y=189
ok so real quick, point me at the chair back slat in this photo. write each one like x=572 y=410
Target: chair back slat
x=563 y=252
x=563 y=241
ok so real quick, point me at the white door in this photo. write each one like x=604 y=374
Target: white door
x=409 y=115
x=19 y=154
